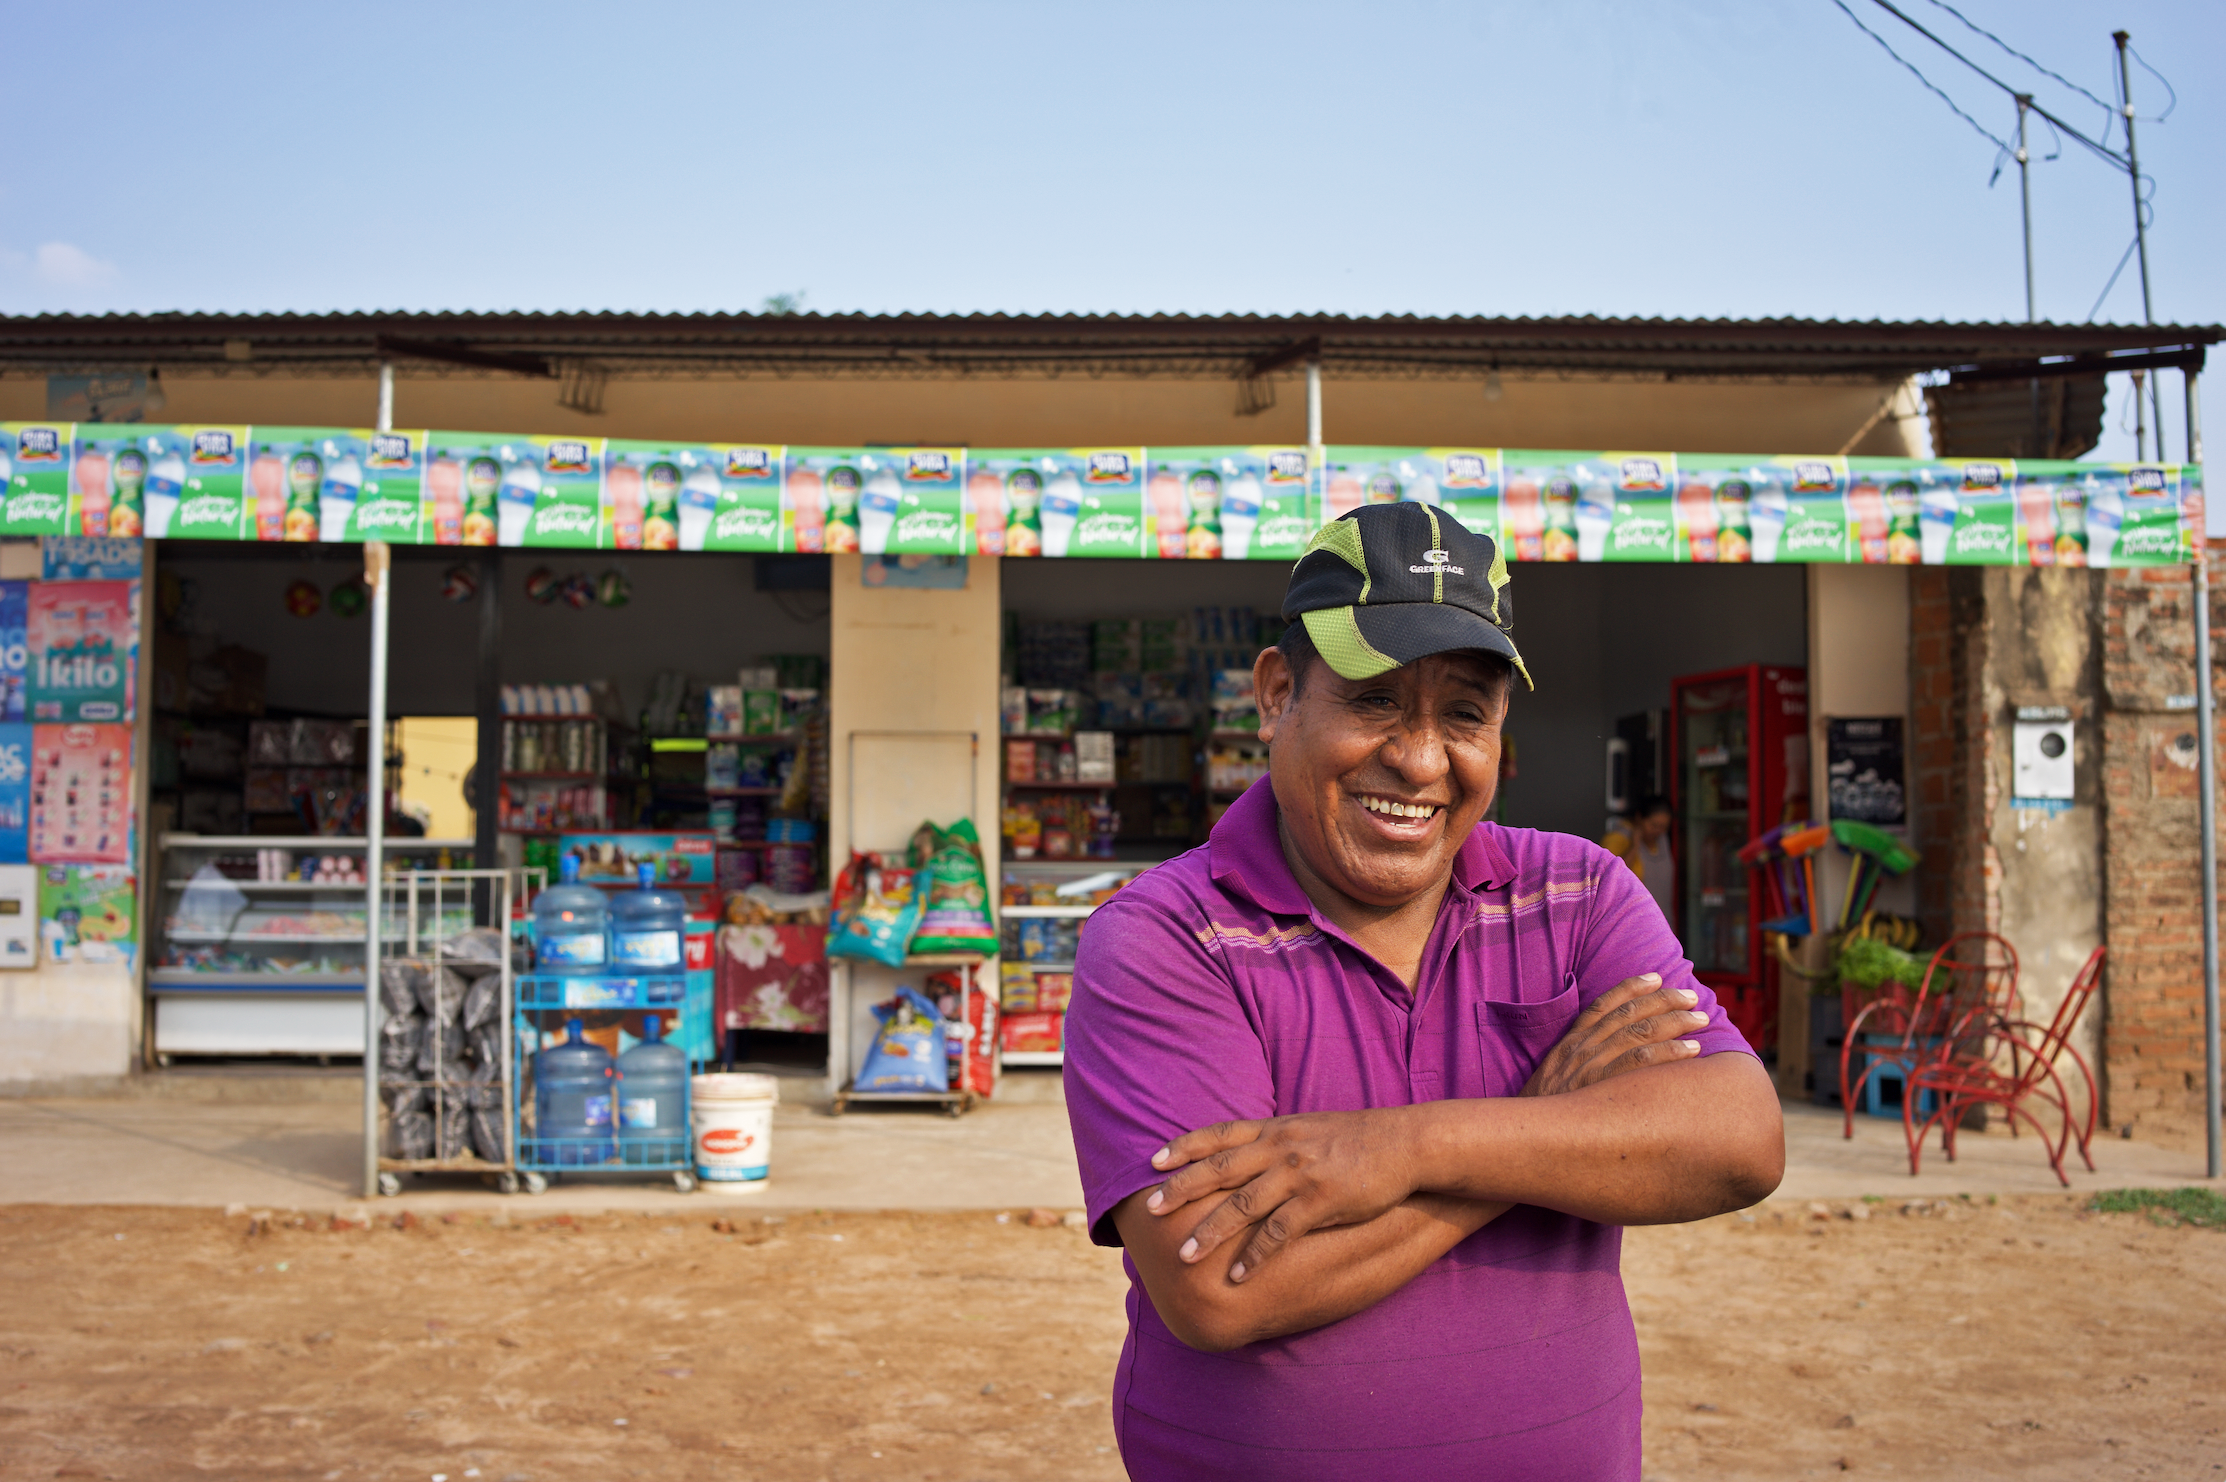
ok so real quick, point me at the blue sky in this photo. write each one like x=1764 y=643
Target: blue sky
x=1748 y=157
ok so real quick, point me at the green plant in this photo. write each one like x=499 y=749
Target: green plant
x=2203 y=1207
x=1868 y=962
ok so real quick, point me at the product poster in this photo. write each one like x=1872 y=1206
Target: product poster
x=86 y=912
x=691 y=497
x=1986 y=529
x=390 y=505
x=183 y=482
x=1464 y=482
x=81 y=641
x=36 y=477
x=1086 y=501
x=913 y=503
x=1004 y=496
x=2141 y=506
x=1715 y=495
x=15 y=793
x=1863 y=760
x=551 y=495
x=820 y=491
x=1798 y=511
x=90 y=558
x=1635 y=489
x=463 y=473
x=1886 y=503
x=1268 y=509
x=15 y=602
x=81 y=794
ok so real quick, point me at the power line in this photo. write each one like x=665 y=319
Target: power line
x=2028 y=61
x=2002 y=146
x=1911 y=22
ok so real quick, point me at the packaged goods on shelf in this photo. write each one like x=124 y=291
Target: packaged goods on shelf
x=723 y=710
x=1093 y=756
x=909 y=1050
x=970 y=1032
x=954 y=891
x=1053 y=991
x=1016 y=987
x=1037 y=940
x=1034 y=1034
x=1053 y=654
x=1231 y=770
x=875 y=909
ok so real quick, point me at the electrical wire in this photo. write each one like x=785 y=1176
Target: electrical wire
x=2107 y=109
x=2123 y=259
x=1906 y=19
x=2168 y=88
x=2002 y=146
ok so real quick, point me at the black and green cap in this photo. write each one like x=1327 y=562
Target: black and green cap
x=1392 y=583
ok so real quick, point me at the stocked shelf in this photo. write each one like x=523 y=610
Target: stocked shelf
x=264 y=938
x=1048 y=913
x=754 y=738
x=738 y=792
x=1031 y=1058
x=217 y=980
x=1064 y=786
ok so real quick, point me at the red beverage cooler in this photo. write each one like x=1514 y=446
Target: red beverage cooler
x=1741 y=742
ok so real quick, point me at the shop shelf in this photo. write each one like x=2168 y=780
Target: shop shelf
x=1046 y=967
x=1234 y=736
x=271 y=887
x=215 y=980
x=946 y=959
x=1063 y=786
x=742 y=792
x=1047 y=913
x=553 y=776
x=755 y=736
x=1035 y=1057
x=265 y=937
x=558 y=991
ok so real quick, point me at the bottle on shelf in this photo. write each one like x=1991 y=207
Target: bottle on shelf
x=572 y=1099
x=571 y=925
x=648 y=927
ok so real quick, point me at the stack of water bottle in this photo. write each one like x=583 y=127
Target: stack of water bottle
x=627 y=953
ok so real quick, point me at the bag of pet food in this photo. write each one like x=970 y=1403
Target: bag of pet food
x=876 y=910
x=908 y=1052
x=954 y=890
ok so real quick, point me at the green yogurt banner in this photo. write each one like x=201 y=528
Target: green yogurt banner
x=309 y=484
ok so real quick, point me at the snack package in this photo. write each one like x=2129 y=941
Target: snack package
x=908 y=1052
x=954 y=909
x=875 y=911
x=971 y=1036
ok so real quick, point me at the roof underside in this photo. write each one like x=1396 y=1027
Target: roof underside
x=929 y=344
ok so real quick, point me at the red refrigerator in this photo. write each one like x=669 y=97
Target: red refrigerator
x=1740 y=738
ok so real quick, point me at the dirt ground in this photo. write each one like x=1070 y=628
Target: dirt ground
x=2024 y=1339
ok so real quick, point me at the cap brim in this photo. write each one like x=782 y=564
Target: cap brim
x=1363 y=642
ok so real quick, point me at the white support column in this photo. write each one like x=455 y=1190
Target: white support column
x=376 y=570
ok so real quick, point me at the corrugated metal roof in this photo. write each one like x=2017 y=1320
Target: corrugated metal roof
x=1009 y=343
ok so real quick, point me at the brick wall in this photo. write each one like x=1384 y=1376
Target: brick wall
x=1953 y=785
x=2152 y=993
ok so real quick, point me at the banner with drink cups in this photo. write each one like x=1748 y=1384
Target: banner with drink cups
x=308 y=484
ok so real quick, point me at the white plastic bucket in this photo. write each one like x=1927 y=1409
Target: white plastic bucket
x=733 y=1117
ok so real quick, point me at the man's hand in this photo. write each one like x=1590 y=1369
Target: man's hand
x=1286 y=1176
x=1631 y=1026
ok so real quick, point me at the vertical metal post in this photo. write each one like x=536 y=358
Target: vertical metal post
x=1314 y=406
x=487 y=705
x=376 y=567
x=2206 y=737
x=2140 y=225
x=2141 y=423
x=386 y=396
x=2025 y=193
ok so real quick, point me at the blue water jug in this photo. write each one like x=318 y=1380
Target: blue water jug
x=571 y=925
x=653 y=1098
x=573 y=1102
x=648 y=928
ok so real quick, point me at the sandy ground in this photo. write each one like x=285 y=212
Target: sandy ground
x=2023 y=1339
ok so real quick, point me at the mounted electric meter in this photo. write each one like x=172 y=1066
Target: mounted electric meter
x=2041 y=770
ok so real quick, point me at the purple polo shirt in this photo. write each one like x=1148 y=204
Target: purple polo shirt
x=1210 y=989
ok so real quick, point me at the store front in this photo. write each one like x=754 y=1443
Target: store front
x=1650 y=588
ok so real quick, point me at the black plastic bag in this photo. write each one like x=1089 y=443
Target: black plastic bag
x=402 y=984
x=488 y=1136
x=412 y=1132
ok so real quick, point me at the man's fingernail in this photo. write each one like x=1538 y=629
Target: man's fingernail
x=1154 y=1201
x=1691 y=1044
x=1159 y=1159
x=1236 y=1272
x=1189 y=1252
x=1650 y=977
x=1687 y=996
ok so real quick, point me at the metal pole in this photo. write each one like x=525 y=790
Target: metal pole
x=375 y=572
x=2140 y=226
x=386 y=396
x=2033 y=445
x=2141 y=423
x=1314 y=409
x=2206 y=737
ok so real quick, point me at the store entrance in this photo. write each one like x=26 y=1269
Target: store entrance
x=1677 y=687
x=667 y=710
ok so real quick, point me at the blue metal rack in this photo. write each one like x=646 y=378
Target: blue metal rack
x=544 y=1000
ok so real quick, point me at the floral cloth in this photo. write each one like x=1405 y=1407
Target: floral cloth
x=772 y=977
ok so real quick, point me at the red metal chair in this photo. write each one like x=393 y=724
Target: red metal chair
x=1972 y=969
x=1995 y=1059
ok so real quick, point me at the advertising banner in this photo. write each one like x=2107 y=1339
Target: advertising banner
x=86 y=912
x=81 y=643
x=1169 y=503
x=15 y=793
x=15 y=648
x=81 y=794
x=36 y=479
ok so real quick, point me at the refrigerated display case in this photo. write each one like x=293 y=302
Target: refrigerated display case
x=257 y=942
x=1741 y=742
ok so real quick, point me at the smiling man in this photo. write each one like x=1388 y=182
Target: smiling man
x=1367 y=1086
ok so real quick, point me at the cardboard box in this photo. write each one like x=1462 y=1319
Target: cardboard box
x=1035 y=1033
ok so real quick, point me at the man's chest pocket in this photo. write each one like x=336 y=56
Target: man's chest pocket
x=1513 y=1037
